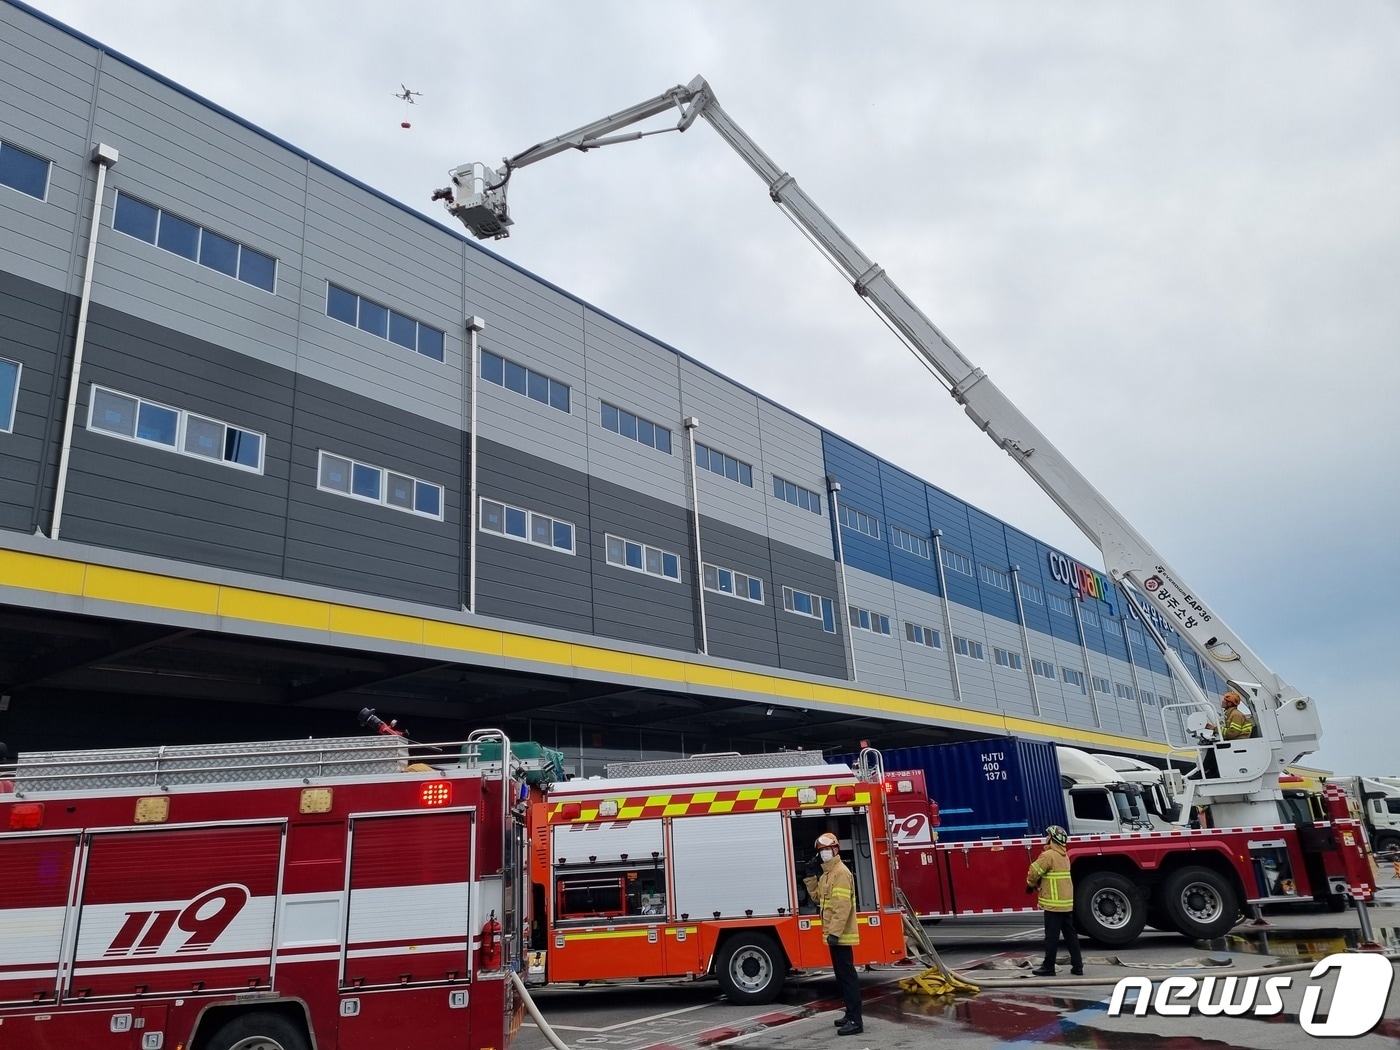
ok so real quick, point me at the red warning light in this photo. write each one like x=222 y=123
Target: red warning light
x=435 y=793
x=26 y=816
x=405 y=124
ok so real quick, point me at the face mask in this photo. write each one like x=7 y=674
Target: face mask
x=826 y=855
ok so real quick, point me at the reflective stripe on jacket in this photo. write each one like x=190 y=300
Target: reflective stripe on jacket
x=1050 y=871
x=834 y=894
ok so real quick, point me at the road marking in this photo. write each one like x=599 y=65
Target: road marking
x=626 y=1024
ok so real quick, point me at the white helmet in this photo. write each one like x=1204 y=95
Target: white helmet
x=826 y=840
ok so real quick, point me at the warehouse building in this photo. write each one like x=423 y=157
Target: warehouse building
x=318 y=452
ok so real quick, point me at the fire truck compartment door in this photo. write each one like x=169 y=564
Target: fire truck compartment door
x=608 y=843
x=175 y=909
x=410 y=880
x=38 y=873
x=730 y=863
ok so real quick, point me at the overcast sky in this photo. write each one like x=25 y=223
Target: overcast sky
x=1169 y=231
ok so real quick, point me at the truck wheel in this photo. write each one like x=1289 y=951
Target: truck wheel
x=259 y=1032
x=1201 y=902
x=1109 y=909
x=751 y=968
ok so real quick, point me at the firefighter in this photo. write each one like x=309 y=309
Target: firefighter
x=1234 y=723
x=1049 y=873
x=834 y=893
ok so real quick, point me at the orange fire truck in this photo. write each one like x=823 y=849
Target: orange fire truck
x=692 y=868
x=280 y=895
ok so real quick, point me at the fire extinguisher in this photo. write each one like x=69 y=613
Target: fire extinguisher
x=491 y=944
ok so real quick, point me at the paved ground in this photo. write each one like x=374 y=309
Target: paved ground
x=1023 y=1011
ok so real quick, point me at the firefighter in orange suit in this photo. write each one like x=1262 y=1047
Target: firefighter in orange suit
x=1049 y=873
x=1235 y=724
x=834 y=893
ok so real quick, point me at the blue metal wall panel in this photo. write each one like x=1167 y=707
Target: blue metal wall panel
x=907 y=507
x=859 y=474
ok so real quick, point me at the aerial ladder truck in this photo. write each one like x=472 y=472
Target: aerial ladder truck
x=1239 y=783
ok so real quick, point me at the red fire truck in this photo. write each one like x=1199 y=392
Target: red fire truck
x=1194 y=881
x=331 y=893
x=693 y=868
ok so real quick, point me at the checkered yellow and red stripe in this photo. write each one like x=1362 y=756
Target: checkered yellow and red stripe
x=698 y=803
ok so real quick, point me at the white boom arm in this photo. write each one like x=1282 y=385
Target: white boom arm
x=1288 y=724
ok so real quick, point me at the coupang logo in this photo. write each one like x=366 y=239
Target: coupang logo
x=1086 y=581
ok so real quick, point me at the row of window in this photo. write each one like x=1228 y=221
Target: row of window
x=640 y=557
x=379 y=320
x=9 y=393
x=814 y=605
x=865 y=620
x=644 y=431
x=726 y=466
x=907 y=541
x=24 y=171
x=387 y=488
x=796 y=495
x=735 y=584
x=535 y=385
x=146 y=222
x=860 y=521
x=149 y=423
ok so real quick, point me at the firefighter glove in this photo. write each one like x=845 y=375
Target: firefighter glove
x=814 y=865
x=1030 y=889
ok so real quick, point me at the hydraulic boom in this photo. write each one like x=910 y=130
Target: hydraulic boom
x=1287 y=720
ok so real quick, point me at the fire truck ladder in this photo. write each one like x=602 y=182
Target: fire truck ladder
x=936 y=979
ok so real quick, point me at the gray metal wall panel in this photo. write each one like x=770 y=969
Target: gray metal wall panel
x=512 y=418
x=974 y=676
x=1012 y=686
x=729 y=422
x=792 y=449
x=879 y=659
x=30 y=319
x=342 y=542
x=632 y=605
x=738 y=629
x=926 y=668
x=802 y=643
x=519 y=580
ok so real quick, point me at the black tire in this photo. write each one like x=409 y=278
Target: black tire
x=751 y=968
x=1109 y=909
x=259 y=1031
x=1202 y=903
x=1336 y=902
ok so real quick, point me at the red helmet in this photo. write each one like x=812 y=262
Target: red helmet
x=1231 y=699
x=826 y=840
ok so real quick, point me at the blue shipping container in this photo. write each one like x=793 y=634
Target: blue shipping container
x=1000 y=788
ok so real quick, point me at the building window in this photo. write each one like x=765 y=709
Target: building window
x=1124 y=692
x=9 y=394
x=528 y=526
x=1088 y=616
x=1102 y=685
x=1135 y=636
x=796 y=495
x=814 y=605
x=1074 y=678
x=875 y=623
x=1059 y=605
x=24 y=171
x=369 y=316
x=624 y=423
x=155 y=226
x=1146 y=698
x=1032 y=594
x=1043 y=669
x=388 y=488
x=860 y=521
x=957 y=562
x=535 y=385
x=921 y=635
x=908 y=541
x=969 y=648
x=735 y=584
x=994 y=578
x=717 y=462
x=148 y=423
x=1006 y=658
x=629 y=554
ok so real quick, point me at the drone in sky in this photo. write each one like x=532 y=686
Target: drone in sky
x=407 y=95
